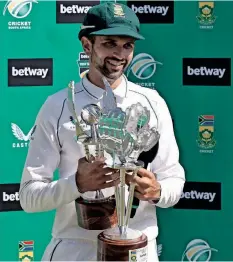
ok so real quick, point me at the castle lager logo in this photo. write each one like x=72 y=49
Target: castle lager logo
x=23 y=139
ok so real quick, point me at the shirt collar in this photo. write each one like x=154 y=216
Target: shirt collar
x=97 y=93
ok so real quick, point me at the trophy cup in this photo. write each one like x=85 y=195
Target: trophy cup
x=94 y=210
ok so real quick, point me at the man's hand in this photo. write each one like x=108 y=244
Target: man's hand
x=147 y=187
x=95 y=176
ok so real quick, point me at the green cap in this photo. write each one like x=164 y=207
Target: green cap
x=111 y=19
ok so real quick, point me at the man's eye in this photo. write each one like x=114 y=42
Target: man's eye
x=128 y=46
x=109 y=44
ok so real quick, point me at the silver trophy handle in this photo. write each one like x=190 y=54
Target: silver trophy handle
x=71 y=106
x=122 y=201
x=123 y=214
x=130 y=200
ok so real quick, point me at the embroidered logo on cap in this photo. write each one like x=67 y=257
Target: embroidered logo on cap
x=118 y=10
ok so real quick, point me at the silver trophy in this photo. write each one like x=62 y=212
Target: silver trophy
x=120 y=136
x=124 y=135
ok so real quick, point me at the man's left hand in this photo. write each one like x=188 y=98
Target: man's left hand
x=147 y=187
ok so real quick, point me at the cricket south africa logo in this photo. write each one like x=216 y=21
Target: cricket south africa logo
x=19 y=9
x=143 y=67
x=198 y=250
x=206 y=140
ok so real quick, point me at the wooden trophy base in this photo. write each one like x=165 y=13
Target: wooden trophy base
x=96 y=215
x=132 y=249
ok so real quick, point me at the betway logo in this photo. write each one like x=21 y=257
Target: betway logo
x=204 y=71
x=74 y=9
x=199 y=195
x=10 y=197
x=27 y=71
x=148 y=9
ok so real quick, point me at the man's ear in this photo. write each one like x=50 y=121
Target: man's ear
x=87 y=45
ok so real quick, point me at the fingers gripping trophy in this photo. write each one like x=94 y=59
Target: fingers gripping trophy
x=120 y=136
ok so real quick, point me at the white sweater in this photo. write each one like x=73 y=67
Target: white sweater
x=53 y=146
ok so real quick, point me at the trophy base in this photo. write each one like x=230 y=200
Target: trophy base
x=114 y=247
x=96 y=215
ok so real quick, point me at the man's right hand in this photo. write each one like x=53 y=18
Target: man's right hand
x=95 y=176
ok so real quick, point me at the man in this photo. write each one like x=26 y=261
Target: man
x=108 y=37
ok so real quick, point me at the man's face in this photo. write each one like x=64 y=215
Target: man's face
x=111 y=55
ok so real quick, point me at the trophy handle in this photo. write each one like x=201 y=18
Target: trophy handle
x=130 y=200
x=71 y=106
x=88 y=156
x=122 y=201
x=99 y=150
x=123 y=214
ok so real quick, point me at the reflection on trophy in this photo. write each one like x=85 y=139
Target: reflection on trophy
x=120 y=136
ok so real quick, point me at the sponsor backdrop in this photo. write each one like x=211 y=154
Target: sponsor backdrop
x=187 y=57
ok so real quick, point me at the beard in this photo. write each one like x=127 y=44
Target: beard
x=106 y=69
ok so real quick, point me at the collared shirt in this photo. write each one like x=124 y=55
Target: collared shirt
x=53 y=146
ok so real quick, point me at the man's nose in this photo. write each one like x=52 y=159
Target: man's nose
x=119 y=53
